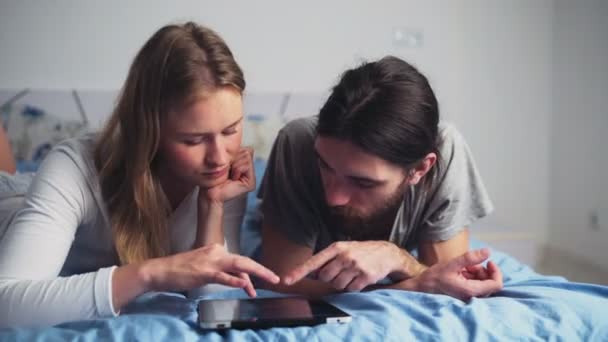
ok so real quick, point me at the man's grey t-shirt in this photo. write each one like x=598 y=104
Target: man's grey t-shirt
x=293 y=198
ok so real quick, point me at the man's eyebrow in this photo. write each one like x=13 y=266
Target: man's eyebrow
x=355 y=178
x=321 y=158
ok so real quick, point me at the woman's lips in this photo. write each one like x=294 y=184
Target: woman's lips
x=216 y=174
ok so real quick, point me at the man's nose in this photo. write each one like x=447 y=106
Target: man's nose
x=336 y=193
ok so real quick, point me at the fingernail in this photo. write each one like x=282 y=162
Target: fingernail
x=287 y=280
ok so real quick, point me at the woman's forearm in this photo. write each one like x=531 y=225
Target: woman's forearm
x=45 y=302
x=130 y=281
x=210 y=223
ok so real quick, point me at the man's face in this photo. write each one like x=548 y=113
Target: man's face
x=361 y=189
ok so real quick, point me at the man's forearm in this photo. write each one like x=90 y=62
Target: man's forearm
x=406 y=277
x=410 y=284
x=410 y=266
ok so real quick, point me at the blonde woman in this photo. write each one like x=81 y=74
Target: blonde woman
x=144 y=205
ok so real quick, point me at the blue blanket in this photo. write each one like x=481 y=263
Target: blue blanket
x=531 y=307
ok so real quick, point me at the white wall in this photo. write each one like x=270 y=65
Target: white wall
x=489 y=62
x=579 y=160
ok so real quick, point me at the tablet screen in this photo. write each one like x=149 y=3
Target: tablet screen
x=267 y=312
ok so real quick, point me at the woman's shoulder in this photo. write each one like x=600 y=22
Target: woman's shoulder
x=80 y=150
x=72 y=161
x=67 y=180
x=79 y=146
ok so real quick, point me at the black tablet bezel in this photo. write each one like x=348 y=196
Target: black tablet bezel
x=334 y=315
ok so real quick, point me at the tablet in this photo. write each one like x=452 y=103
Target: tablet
x=258 y=313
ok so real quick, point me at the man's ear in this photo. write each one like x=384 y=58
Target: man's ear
x=422 y=168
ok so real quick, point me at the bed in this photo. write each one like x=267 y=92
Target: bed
x=530 y=307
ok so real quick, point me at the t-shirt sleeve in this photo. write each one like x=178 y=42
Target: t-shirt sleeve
x=289 y=189
x=458 y=196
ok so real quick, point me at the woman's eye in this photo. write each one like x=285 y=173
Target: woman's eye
x=230 y=131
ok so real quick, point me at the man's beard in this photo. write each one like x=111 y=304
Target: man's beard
x=348 y=223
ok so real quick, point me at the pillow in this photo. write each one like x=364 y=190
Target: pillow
x=251 y=228
x=259 y=132
x=32 y=133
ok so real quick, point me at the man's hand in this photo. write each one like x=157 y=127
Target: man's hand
x=462 y=277
x=353 y=265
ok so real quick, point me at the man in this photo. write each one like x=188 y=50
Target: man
x=348 y=194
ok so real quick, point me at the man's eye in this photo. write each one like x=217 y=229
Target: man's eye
x=192 y=142
x=323 y=165
x=365 y=185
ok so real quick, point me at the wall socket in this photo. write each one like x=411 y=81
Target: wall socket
x=594 y=220
x=406 y=37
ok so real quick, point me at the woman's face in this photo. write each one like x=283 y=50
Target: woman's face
x=199 y=142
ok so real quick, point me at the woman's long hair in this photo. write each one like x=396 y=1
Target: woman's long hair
x=175 y=66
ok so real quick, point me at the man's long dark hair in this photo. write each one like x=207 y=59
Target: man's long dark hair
x=388 y=109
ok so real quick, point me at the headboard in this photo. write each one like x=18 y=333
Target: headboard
x=35 y=119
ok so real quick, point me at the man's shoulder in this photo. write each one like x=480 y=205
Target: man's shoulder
x=449 y=133
x=299 y=129
x=451 y=142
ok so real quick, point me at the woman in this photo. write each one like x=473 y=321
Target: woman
x=153 y=193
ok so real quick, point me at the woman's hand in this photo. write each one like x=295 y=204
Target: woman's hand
x=205 y=265
x=241 y=179
x=184 y=271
